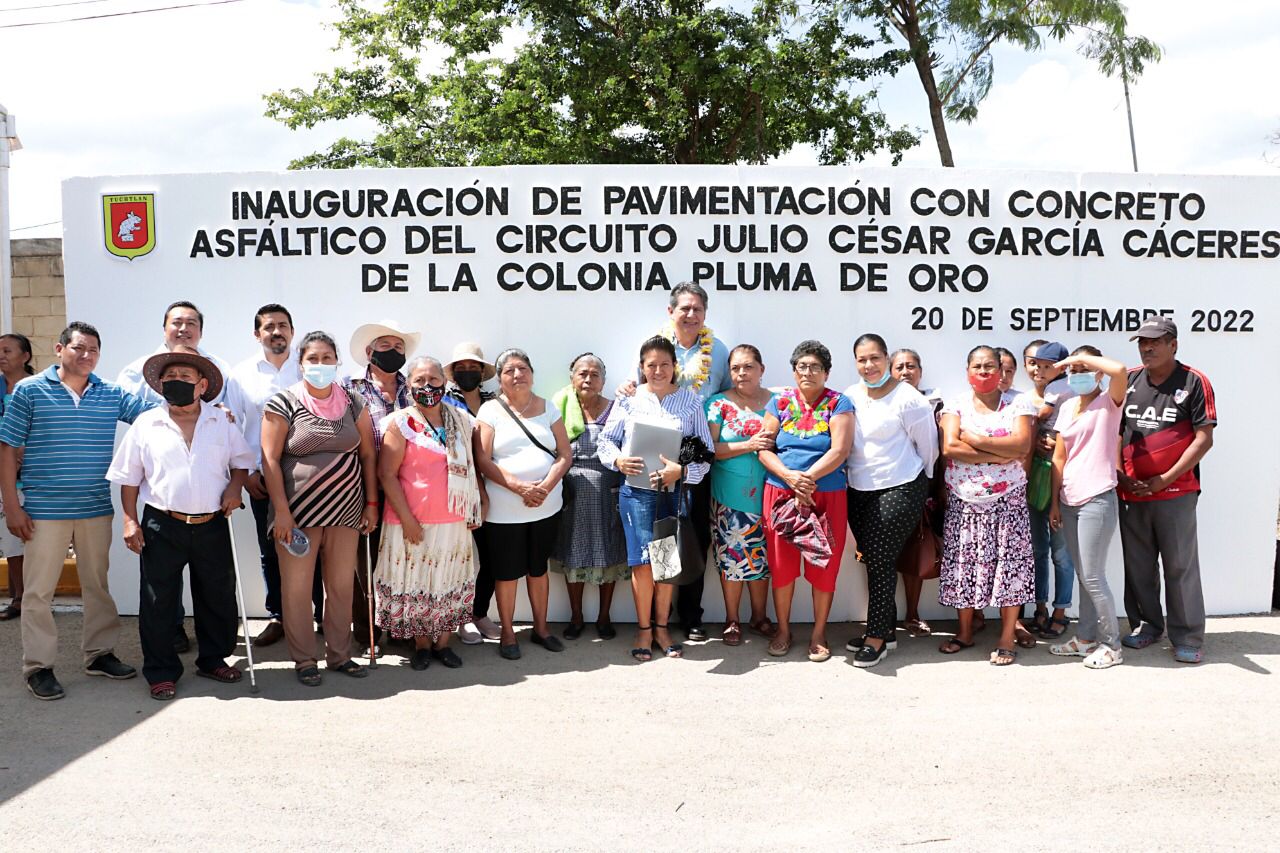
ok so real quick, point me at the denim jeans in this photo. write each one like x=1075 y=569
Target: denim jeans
x=1049 y=545
x=1089 y=529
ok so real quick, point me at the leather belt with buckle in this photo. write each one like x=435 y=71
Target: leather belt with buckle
x=193 y=519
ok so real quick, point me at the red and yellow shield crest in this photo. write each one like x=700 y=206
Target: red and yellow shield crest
x=129 y=224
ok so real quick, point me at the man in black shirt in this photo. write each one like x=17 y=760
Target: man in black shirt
x=1167 y=428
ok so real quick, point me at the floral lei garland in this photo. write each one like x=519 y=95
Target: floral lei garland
x=705 y=341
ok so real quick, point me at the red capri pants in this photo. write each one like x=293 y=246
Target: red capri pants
x=784 y=558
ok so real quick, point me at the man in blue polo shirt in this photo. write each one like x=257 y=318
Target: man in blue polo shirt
x=65 y=418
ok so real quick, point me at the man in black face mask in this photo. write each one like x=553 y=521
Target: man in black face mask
x=382 y=349
x=189 y=463
x=184 y=326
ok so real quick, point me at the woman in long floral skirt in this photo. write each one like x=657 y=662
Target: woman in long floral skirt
x=426 y=564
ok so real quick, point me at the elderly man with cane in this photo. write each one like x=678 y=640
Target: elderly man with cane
x=183 y=326
x=189 y=463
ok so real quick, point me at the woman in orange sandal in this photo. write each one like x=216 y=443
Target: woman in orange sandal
x=814 y=429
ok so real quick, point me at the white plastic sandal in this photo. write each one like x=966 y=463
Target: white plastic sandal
x=1073 y=648
x=1103 y=657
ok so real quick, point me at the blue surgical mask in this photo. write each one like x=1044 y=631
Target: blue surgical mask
x=879 y=383
x=319 y=375
x=1082 y=383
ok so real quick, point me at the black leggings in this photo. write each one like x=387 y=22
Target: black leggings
x=881 y=521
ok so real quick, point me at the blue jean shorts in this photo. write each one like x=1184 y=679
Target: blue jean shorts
x=639 y=509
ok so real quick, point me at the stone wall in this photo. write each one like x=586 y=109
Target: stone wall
x=39 y=297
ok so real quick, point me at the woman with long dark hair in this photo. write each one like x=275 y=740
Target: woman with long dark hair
x=986 y=557
x=15 y=365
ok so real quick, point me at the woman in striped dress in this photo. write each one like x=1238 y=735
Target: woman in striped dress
x=319 y=465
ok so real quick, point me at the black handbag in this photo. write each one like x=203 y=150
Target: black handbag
x=675 y=554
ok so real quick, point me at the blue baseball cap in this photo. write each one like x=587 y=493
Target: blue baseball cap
x=1052 y=351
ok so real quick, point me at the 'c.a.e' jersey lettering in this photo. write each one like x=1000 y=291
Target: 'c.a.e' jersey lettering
x=1159 y=423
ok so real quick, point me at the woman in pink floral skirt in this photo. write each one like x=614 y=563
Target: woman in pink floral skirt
x=987 y=558
x=426 y=566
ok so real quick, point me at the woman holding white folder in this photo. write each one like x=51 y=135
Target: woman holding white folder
x=658 y=401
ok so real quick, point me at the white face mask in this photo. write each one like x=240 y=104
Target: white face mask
x=1082 y=383
x=320 y=375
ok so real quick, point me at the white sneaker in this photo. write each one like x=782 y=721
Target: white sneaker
x=487 y=628
x=470 y=634
x=1073 y=648
x=1103 y=657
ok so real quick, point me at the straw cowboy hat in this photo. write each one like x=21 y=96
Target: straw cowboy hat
x=469 y=351
x=370 y=332
x=154 y=367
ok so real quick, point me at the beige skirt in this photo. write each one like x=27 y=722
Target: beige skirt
x=425 y=589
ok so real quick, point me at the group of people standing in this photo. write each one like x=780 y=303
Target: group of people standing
x=395 y=505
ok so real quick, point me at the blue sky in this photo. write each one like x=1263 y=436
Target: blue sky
x=182 y=92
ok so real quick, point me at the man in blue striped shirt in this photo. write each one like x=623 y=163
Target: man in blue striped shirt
x=65 y=418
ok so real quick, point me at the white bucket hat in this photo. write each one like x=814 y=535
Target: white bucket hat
x=469 y=351
x=370 y=332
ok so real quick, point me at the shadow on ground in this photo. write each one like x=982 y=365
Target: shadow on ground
x=98 y=711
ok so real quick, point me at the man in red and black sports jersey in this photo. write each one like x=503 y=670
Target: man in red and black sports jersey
x=1169 y=416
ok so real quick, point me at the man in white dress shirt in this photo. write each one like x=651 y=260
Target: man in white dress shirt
x=189 y=464
x=259 y=378
x=183 y=326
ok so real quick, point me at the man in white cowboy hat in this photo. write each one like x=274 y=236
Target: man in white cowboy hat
x=466 y=370
x=381 y=349
x=189 y=463
x=183 y=325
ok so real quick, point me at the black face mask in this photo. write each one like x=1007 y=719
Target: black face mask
x=387 y=360
x=467 y=380
x=178 y=393
x=428 y=395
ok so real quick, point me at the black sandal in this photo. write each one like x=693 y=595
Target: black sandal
x=1004 y=657
x=10 y=612
x=673 y=651
x=351 y=668
x=1051 y=633
x=642 y=653
x=309 y=675
x=954 y=646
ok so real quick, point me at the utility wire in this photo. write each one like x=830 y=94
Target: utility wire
x=29 y=227
x=118 y=14
x=50 y=5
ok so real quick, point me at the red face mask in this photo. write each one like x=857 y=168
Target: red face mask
x=984 y=384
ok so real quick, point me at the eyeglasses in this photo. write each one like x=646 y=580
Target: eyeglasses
x=807 y=367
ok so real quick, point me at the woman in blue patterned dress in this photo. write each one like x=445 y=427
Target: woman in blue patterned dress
x=736 y=419
x=591 y=548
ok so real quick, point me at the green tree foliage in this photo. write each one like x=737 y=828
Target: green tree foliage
x=1127 y=56
x=597 y=81
x=950 y=43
